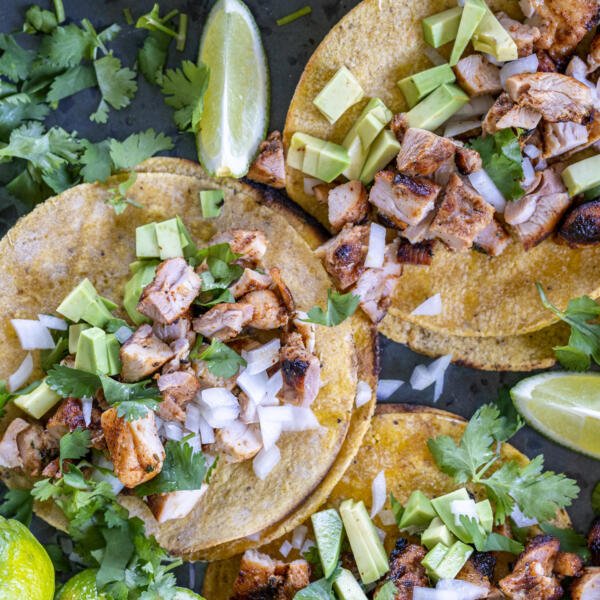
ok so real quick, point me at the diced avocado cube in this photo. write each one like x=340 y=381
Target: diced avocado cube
x=38 y=402
x=473 y=13
x=582 y=176
x=434 y=557
x=441 y=28
x=485 y=514
x=92 y=354
x=383 y=150
x=96 y=313
x=437 y=108
x=453 y=561
x=340 y=93
x=416 y=87
x=329 y=532
x=211 y=202
x=110 y=305
x=297 y=148
x=169 y=241
x=377 y=109
x=418 y=511
x=491 y=37
x=366 y=546
x=437 y=533
x=112 y=354
x=133 y=290
x=187 y=243
x=146 y=244
x=320 y=159
x=357 y=155
x=347 y=588
x=443 y=507
x=84 y=304
x=74 y=332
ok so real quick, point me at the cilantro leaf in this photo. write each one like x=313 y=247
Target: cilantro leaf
x=117 y=85
x=117 y=553
x=511 y=419
x=596 y=499
x=132 y=400
x=45 y=489
x=570 y=540
x=70 y=82
x=17 y=504
x=153 y=21
x=339 y=308
x=387 y=591
x=222 y=271
x=118 y=198
x=66 y=47
x=137 y=148
x=59 y=560
x=74 y=444
x=15 y=61
x=96 y=161
x=221 y=360
x=17 y=108
x=5 y=396
x=397 y=508
x=492 y=542
x=152 y=56
x=38 y=20
x=72 y=383
x=49 y=358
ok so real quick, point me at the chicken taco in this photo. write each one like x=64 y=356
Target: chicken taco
x=178 y=363
x=454 y=159
x=428 y=525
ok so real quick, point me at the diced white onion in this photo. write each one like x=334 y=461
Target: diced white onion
x=270 y=432
x=308 y=544
x=378 y=493
x=492 y=59
x=298 y=536
x=173 y=431
x=376 y=250
x=123 y=334
x=466 y=508
x=454 y=128
x=303 y=419
x=33 y=335
x=195 y=442
x=260 y=359
x=364 y=393
x=386 y=387
x=309 y=185
x=531 y=151
x=207 y=434
x=192 y=417
x=528 y=173
x=158 y=422
x=218 y=406
x=52 y=322
x=19 y=378
x=527 y=8
x=255 y=537
x=464 y=590
x=86 y=409
x=278 y=414
x=112 y=480
x=387 y=517
x=254 y=385
x=520 y=519
x=434 y=56
x=482 y=182
x=421 y=378
x=430 y=307
x=285 y=549
x=274 y=386
x=527 y=64
x=421 y=593
x=265 y=461
x=477 y=106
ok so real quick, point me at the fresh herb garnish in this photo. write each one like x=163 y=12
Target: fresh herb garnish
x=117 y=85
x=570 y=540
x=339 y=308
x=137 y=148
x=221 y=360
x=154 y=22
x=311 y=556
x=17 y=504
x=492 y=542
x=72 y=383
x=38 y=20
x=512 y=419
x=118 y=197
x=306 y=10
x=74 y=445
x=5 y=396
x=49 y=358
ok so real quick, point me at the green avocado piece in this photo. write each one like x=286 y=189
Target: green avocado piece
x=490 y=37
x=146 y=243
x=169 y=239
x=437 y=533
x=485 y=514
x=340 y=93
x=418 y=511
x=582 y=176
x=84 y=304
x=329 y=532
x=211 y=203
x=437 y=108
x=416 y=87
x=434 y=557
x=112 y=354
x=108 y=303
x=38 y=402
x=133 y=290
x=443 y=507
x=473 y=13
x=383 y=150
x=347 y=588
x=74 y=333
x=441 y=28
x=452 y=562
x=297 y=148
x=92 y=353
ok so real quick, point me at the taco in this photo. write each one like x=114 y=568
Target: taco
x=477 y=206
x=153 y=428
x=413 y=522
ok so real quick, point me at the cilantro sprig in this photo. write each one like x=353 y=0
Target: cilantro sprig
x=17 y=504
x=221 y=360
x=74 y=445
x=339 y=308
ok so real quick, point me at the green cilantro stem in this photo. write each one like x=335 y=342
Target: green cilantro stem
x=128 y=16
x=294 y=16
x=182 y=32
x=59 y=9
x=169 y=16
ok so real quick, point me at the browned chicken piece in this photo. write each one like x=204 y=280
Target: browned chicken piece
x=593 y=58
x=399 y=126
x=559 y=138
x=177 y=390
x=347 y=204
x=406 y=570
x=420 y=232
x=224 y=321
x=36 y=449
x=492 y=240
x=301 y=372
x=250 y=243
x=344 y=255
x=134 y=447
x=442 y=175
x=532 y=577
x=261 y=577
x=143 y=354
x=462 y=215
x=52 y=469
x=321 y=192
x=69 y=416
x=551 y=203
x=477 y=76
x=505 y=114
x=423 y=152
x=568 y=564
x=280 y=288
x=269 y=312
x=237 y=442
x=467 y=160
x=172 y=332
x=9 y=450
x=581 y=226
x=181 y=350
x=479 y=570
x=306 y=330
x=174 y=505
x=269 y=166
x=401 y=199
x=171 y=293
x=525 y=36
x=420 y=253
x=250 y=281
x=545 y=63
x=587 y=587
x=593 y=542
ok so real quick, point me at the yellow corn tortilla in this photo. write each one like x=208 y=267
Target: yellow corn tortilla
x=77 y=235
x=396 y=443
x=381 y=42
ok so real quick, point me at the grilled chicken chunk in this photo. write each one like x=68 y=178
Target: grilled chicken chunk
x=177 y=330
x=250 y=281
x=587 y=587
x=301 y=372
x=555 y=96
x=306 y=330
x=420 y=253
x=593 y=58
x=344 y=255
x=559 y=138
x=224 y=321
x=467 y=160
x=9 y=450
x=520 y=211
x=143 y=354
x=171 y=293
x=134 y=447
x=581 y=226
x=477 y=76
x=568 y=564
x=402 y=199
x=269 y=165
x=269 y=312
x=525 y=36
x=280 y=288
x=505 y=114
x=399 y=126
x=347 y=204
x=262 y=577
x=175 y=505
x=177 y=390
x=492 y=240
x=545 y=63
x=69 y=416
x=479 y=570
x=238 y=441
x=423 y=152
x=462 y=215
x=207 y=380
x=250 y=243
x=36 y=448
x=420 y=232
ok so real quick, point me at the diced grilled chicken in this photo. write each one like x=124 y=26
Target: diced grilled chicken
x=143 y=354
x=344 y=255
x=532 y=577
x=269 y=312
x=399 y=126
x=477 y=76
x=175 y=505
x=262 y=577
x=301 y=372
x=134 y=447
x=423 y=152
x=36 y=448
x=587 y=587
x=171 y=293
x=177 y=390
x=559 y=138
x=250 y=281
x=479 y=570
x=446 y=169
x=581 y=226
x=420 y=232
x=181 y=350
x=520 y=211
x=555 y=96
x=525 y=36
x=593 y=58
x=402 y=199
x=250 y=243
x=593 y=542
x=492 y=240
x=545 y=63
x=224 y=321
x=420 y=253
x=280 y=288
x=306 y=330
x=9 y=450
x=269 y=165
x=505 y=114
x=551 y=203
x=237 y=442
x=462 y=215
x=347 y=204
x=172 y=332
x=69 y=416
x=568 y=564
x=52 y=469
x=468 y=161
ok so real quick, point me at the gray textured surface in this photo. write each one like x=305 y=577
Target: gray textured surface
x=288 y=49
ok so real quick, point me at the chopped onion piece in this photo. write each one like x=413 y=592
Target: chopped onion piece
x=364 y=393
x=421 y=378
x=158 y=422
x=274 y=386
x=430 y=307
x=520 y=519
x=482 y=182
x=207 y=434
x=434 y=56
x=492 y=59
x=376 y=250
x=192 y=417
x=303 y=419
x=464 y=590
x=285 y=549
x=255 y=537
x=33 y=335
x=278 y=414
x=298 y=536
x=52 y=322
x=195 y=442
x=379 y=493
x=218 y=406
x=477 y=106
x=308 y=544
x=260 y=359
x=527 y=64
x=173 y=431
x=270 y=432
x=265 y=461
x=465 y=508
x=123 y=334
x=386 y=387
x=531 y=151
x=86 y=409
x=528 y=173
x=454 y=128
x=527 y=8
x=421 y=593
x=112 y=480
x=255 y=385
x=387 y=517
x=19 y=378
x=309 y=185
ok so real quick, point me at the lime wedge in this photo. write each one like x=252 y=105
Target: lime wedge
x=564 y=407
x=236 y=103
x=328 y=529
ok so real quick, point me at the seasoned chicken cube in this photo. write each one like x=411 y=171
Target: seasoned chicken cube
x=399 y=126
x=477 y=76
x=175 y=505
x=9 y=450
x=420 y=253
x=525 y=36
x=134 y=447
x=269 y=166
x=593 y=59
x=177 y=389
x=301 y=372
x=171 y=293
x=468 y=161
x=208 y=380
x=69 y=416
x=178 y=330
x=224 y=321
x=280 y=288
x=269 y=312
x=344 y=255
x=581 y=226
x=492 y=240
x=237 y=442
x=568 y=564
x=479 y=570
x=420 y=232
x=143 y=354
x=347 y=204
x=587 y=587
x=559 y=138
x=505 y=114
x=462 y=215
x=251 y=244
x=36 y=449
x=423 y=152
x=406 y=570
x=401 y=199
x=250 y=281
x=306 y=330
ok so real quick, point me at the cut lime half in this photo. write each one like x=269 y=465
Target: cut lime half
x=236 y=103
x=564 y=407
